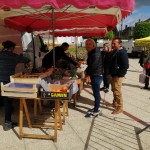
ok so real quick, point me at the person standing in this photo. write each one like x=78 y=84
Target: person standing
x=145 y=63
x=94 y=72
x=118 y=68
x=106 y=53
x=8 y=62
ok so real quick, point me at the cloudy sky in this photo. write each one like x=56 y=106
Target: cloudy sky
x=141 y=11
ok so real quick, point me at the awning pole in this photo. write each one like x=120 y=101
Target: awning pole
x=33 y=44
x=76 y=40
x=53 y=37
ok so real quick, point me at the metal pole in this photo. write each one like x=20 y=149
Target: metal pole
x=53 y=38
x=76 y=40
x=33 y=44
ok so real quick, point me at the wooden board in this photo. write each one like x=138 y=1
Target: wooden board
x=32 y=78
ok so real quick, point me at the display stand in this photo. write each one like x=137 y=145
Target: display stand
x=57 y=119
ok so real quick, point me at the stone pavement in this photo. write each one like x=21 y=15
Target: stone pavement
x=106 y=132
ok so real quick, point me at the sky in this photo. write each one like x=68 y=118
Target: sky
x=141 y=11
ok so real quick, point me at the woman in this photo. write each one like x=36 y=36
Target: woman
x=106 y=53
x=94 y=72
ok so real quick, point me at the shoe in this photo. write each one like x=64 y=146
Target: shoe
x=145 y=87
x=92 y=110
x=106 y=90
x=91 y=115
x=9 y=125
x=117 y=111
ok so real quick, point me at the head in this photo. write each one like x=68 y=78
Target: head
x=90 y=44
x=9 y=45
x=65 y=46
x=116 y=43
x=106 y=47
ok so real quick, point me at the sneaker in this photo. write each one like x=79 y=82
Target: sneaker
x=145 y=87
x=9 y=125
x=106 y=90
x=91 y=115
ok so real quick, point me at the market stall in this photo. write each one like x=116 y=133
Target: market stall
x=144 y=42
x=34 y=86
x=91 y=14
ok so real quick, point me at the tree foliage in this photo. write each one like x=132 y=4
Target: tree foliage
x=110 y=35
x=142 y=29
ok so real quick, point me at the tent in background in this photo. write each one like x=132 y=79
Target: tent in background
x=145 y=42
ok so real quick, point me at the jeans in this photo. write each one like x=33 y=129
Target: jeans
x=105 y=77
x=96 y=82
x=106 y=81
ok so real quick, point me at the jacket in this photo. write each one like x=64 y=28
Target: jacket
x=119 y=63
x=94 y=62
x=8 y=62
x=47 y=61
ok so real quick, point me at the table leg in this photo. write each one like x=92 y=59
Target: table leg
x=65 y=110
x=56 y=120
x=75 y=99
x=59 y=114
x=40 y=105
x=21 y=119
x=27 y=112
x=35 y=107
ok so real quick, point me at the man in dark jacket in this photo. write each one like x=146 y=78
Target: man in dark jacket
x=8 y=62
x=47 y=61
x=118 y=68
x=94 y=71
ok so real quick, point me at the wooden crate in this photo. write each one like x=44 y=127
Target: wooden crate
x=19 y=90
x=32 y=78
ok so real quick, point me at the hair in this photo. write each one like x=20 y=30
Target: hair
x=119 y=40
x=65 y=44
x=107 y=45
x=93 y=42
x=8 y=44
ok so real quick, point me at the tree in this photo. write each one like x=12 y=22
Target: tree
x=142 y=29
x=109 y=35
